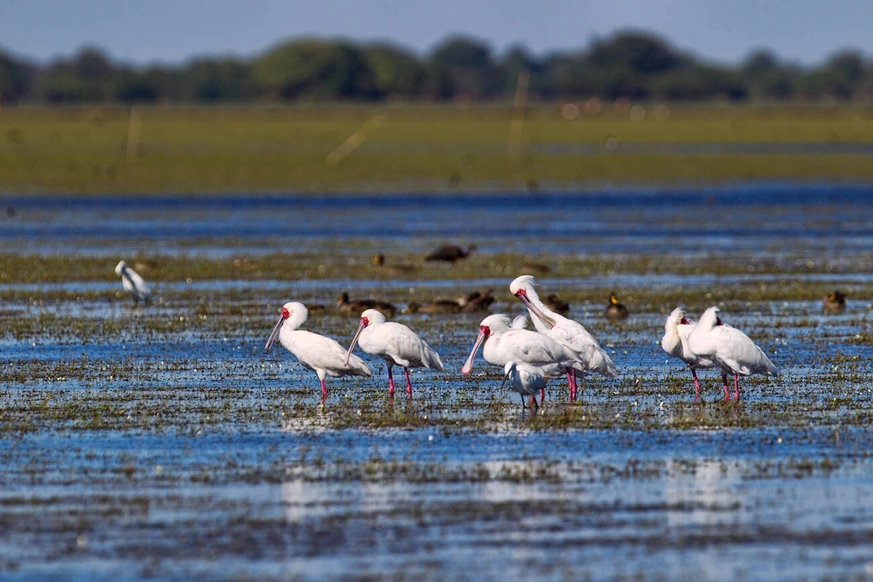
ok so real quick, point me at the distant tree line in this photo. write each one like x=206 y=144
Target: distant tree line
x=630 y=64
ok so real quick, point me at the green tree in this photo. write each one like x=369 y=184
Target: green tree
x=15 y=78
x=639 y=52
x=395 y=72
x=469 y=64
x=302 y=69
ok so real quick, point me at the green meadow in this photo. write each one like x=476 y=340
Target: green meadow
x=405 y=147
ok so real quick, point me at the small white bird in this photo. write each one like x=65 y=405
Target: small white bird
x=396 y=344
x=321 y=354
x=677 y=329
x=525 y=379
x=566 y=332
x=133 y=283
x=730 y=349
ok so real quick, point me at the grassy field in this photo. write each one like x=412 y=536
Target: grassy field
x=106 y=149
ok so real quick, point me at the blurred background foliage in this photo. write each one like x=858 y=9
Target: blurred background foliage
x=630 y=64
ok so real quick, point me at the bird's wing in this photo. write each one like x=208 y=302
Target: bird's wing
x=571 y=334
x=138 y=283
x=407 y=349
x=739 y=353
x=533 y=348
x=318 y=352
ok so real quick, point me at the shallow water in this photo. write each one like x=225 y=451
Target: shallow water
x=162 y=443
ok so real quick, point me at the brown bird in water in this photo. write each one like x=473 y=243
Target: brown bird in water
x=400 y=269
x=476 y=301
x=615 y=310
x=834 y=302
x=449 y=253
x=557 y=304
x=345 y=305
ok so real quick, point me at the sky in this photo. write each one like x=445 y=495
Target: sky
x=173 y=31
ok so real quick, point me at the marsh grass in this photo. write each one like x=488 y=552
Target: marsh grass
x=419 y=148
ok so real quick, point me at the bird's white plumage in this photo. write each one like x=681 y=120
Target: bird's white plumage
x=525 y=379
x=730 y=349
x=323 y=355
x=505 y=342
x=563 y=330
x=395 y=343
x=675 y=340
x=135 y=286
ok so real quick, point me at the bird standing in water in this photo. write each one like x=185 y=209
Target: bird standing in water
x=615 y=310
x=565 y=331
x=323 y=355
x=449 y=253
x=355 y=306
x=525 y=379
x=396 y=344
x=135 y=286
x=731 y=350
x=834 y=302
x=677 y=329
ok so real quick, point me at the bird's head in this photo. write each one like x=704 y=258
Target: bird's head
x=343 y=298
x=120 y=267
x=379 y=259
x=676 y=317
x=521 y=286
x=613 y=299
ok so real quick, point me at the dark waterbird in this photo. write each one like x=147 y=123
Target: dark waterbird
x=398 y=269
x=834 y=302
x=356 y=306
x=449 y=253
x=557 y=304
x=615 y=310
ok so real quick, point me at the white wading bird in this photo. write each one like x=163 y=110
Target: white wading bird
x=396 y=344
x=677 y=329
x=564 y=331
x=730 y=349
x=507 y=341
x=524 y=379
x=320 y=354
x=133 y=283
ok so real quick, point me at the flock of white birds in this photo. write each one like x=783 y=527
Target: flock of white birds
x=559 y=346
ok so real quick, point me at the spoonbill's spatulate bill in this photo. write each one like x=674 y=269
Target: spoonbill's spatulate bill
x=525 y=379
x=318 y=353
x=677 y=330
x=135 y=286
x=571 y=334
x=396 y=344
x=731 y=350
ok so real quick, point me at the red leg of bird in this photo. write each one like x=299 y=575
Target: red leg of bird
x=696 y=385
x=408 y=382
x=571 y=383
x=532 y=399
x=390 y=383
x=323 y=392
x=727 y=396
x=736 y=387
